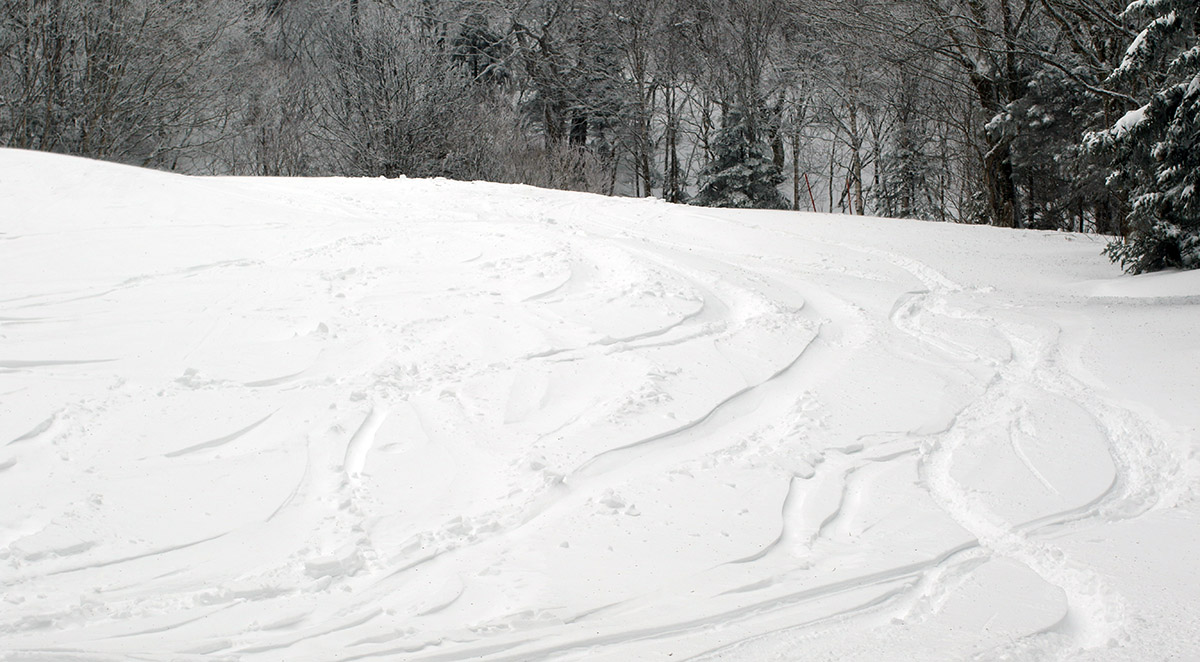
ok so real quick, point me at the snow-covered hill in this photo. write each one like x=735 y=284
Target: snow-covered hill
x=273 y=419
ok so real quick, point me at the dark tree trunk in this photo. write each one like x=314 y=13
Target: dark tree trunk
x=856 y=167
x=579 y=129
x=1001 y=190
x=552 y=122
x=997 y=161
x=356 y=31
x=647 y=180
x=796 y=171
x=672 y=190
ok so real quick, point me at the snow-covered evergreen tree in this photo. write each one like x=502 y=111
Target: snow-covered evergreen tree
x=743 y=172
x=1155 y=149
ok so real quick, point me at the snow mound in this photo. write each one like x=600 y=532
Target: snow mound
x=1160 y=285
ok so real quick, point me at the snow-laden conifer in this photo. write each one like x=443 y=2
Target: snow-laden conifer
x=1155 y=148
x=742 y=173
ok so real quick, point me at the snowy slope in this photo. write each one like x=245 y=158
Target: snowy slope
x=256 y=419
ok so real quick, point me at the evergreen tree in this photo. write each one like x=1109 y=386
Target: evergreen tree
x=1155 y=149
x=905 y=167
x=1057 y=178
x=743 y=172
x=481 y=50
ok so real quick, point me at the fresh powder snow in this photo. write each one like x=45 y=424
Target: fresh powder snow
x=351 y=419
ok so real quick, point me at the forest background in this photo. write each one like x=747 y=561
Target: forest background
x=1078 y=115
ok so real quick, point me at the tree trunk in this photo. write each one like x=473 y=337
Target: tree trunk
x=579 y=129
x=53 y=55
x=832 y=179
x=796 y=170
x=356 y=32
x=647 y=180
x=855 y=160
x=645 y=145
x=998 y=181
x=672 y=189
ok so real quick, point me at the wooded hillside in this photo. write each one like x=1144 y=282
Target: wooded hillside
x=1052 y=114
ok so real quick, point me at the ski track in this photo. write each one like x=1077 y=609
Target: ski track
x=220 y=441
x=1095 y=612
x=573 y=401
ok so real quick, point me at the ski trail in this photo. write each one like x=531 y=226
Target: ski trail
x=220 y=441
x=834 y=340
x=495 y=423
x=1016 y=431
x=1095 y=612
x=900 y=579
x=728 y=409
x=38 y=430
x=25 y=364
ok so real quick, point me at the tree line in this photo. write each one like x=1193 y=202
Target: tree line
x=1052 y=114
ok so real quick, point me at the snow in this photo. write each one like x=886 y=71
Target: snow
x=335 y=419
x=1165 y=285
x=1130 y=121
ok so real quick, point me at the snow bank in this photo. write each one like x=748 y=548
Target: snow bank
x=1161 y=285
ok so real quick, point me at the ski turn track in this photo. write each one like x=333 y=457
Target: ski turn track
x=333 y=420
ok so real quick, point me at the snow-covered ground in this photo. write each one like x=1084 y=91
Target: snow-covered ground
x=273 y=419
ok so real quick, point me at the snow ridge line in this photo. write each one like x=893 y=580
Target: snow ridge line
x=620 y=456
x=731 y=309
x=362 y=440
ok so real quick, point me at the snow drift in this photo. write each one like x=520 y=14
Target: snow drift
x=334 y=419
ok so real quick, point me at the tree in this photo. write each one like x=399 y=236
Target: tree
x=481 y=50
x=392 y=93
x=1155 y=149
x=905 y=165
x=737 y=41
x=129 y=80
x=1077 y=45
x=743 y=172
x=988 y=40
